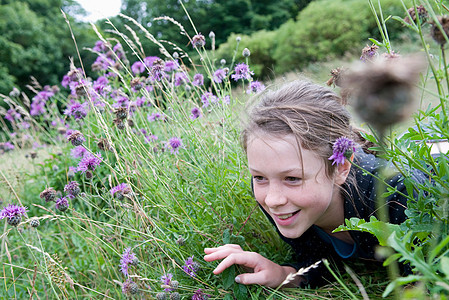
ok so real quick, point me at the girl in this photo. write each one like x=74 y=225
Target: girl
x=304 y=187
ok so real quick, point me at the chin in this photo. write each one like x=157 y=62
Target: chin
x=291 y=234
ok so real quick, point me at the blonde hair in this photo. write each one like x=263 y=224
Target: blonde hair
x=314 y=114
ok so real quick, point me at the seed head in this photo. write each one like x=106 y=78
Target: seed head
x=198 y=41
x=34 y=222
x=121 y=113
x=129 y=287
x=223 y=61
x=72 y=188
x=246 y=52
x=62 y=204
x=119 y=123
x=175 y=296
x=369 y=53
x=422 y=14
x=49 y=194
x=76 y=137
x=436 y=33
x=161 y=296
x=174 y=284
x=181 y=241
x=104 y=145
x=384 y=90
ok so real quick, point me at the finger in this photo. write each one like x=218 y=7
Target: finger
x=247 y=259
x=261 y=278
x=232 y=246
x=221 y=253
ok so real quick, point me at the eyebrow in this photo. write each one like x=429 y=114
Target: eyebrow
x=283 y=172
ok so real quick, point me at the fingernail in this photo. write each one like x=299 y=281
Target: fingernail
x=237 y=279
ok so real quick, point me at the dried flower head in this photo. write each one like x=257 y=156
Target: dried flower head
x=422 y=14
x=104 y=145
x=49 y=194
x=343 y=149
x=13 y=214
x=175 y=296
x=119 y=123
x=369 y=53
x=335 y=77
x=384 y=90
x=72 y=188
x=436 y=32
x=121 y=113
x=76 y=138
x=34 y=222
x=129 y=287
x=198 y=41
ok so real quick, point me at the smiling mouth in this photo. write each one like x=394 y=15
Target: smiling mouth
x=285 y=217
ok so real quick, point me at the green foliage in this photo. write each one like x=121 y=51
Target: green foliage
x=35 y=41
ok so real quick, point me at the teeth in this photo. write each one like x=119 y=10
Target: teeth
x=283 y=217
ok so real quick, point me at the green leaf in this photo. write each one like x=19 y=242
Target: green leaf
x=226 y=237
x=400 y=281
x=444 y=265
x=376 y=42
x=240 y=292
x=228 y=276
x=228 y=297
x=392 y=258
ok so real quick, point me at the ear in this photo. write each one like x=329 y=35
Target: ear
x=342 y=171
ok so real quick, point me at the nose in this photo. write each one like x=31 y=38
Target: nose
x=275 y=196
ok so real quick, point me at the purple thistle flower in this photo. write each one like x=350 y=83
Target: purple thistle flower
x=89 y=162
x=76 y=110
x=190 y=267
x=255 y=87
x=171 y=65
x=100 y=84
x=78 y=152
x=199 y=295
x=226 y=99
x=195 y=113
x=121 y=101
x=166 y=280
x=72 y=188
x=242 y=71
x=12 y=210
x=7 y=146
x=62 y=204
x=148 y=61
x=174 y=143
x=12 y=115
x=198 y=41
x=343 y=148
x=156 y=116
x=140 y=101
x=138 y=67
x=100 y=46
x=37 y=107
x=208 y=98
x=120 y=189
x=198 y=79
x=180 y=78
x=127 y=258
x=219 y=75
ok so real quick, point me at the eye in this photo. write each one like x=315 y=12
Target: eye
x=259 y=179
x=292 y=179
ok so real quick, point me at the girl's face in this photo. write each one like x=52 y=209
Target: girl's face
x=295 y=192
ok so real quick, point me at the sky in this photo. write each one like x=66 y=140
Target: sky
x=98 y=9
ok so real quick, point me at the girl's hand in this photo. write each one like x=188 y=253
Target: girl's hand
x=261 y=270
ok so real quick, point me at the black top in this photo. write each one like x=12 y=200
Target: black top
x=313 y=245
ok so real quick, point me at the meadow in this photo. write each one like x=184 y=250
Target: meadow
x=112 y=186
